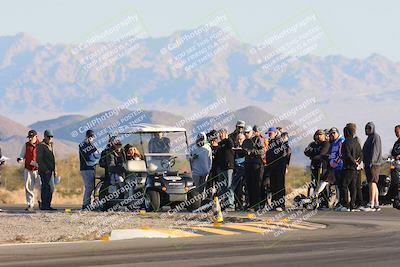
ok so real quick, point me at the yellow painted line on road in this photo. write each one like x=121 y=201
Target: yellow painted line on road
x=175 y=233
x=291 y=225
x=244 y=228
x=216 y=231
x=267 y=226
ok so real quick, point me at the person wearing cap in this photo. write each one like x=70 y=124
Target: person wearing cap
x=88 y=156
x=277 y=162
x=336 y=163
x=47 y=168
x=254 y=167
x=225 y=164
x=201 y=161
x=239 y=129
x=31 y=176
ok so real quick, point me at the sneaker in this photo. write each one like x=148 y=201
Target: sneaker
x=364 y=208
x=280 y=209
x=343 y=209
x=355 y=210
x=377 y=208
x=29 y=209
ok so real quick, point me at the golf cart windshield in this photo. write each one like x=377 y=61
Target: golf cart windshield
x=162 y=151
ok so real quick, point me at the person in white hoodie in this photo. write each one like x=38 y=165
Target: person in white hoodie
x=201 y=160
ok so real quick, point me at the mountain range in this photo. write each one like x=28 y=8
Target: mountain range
x=40 y=82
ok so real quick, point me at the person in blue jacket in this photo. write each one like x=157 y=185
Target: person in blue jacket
x=88 y=157
x=336 y=162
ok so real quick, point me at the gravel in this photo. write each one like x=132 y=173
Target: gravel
x=76 y=226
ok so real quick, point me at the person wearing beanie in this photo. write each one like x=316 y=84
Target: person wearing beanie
x=352 y=157
x=88 y=157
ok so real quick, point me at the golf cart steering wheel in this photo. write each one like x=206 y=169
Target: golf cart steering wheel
x=168 y=163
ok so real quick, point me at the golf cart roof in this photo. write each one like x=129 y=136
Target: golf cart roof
x=152 y=128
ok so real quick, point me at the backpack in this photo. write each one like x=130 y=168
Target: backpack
x=103 y=158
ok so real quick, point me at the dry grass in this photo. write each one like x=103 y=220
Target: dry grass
x=70 y=190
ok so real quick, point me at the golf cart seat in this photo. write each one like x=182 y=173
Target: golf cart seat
x=136 y=166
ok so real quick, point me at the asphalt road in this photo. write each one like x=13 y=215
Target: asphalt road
x=350 y=239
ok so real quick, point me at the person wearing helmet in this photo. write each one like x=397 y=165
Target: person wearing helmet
x=201 y=161
x=88 y=156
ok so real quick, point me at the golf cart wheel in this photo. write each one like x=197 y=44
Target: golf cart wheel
x=152 y=200
x=194 y=205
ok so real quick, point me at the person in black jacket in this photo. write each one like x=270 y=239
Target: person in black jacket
x=396 y=156
x=225 y=164
x=318 y=152
x=352 y=157
x=277 y=158
x=254 y=167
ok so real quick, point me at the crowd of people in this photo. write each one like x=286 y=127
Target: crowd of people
x=339 y=161
x=252 y=164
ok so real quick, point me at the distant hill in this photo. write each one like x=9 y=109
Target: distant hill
x=13 y=136
x=9 y=128
x=57 y=123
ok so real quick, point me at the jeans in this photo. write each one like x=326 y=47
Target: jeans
x=47 y=192
x=227 y=175
x=200 y=183
x=88 y=177
x=32 y=180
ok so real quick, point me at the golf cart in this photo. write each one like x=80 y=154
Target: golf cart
x=164 y=164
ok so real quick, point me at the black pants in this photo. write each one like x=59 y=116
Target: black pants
x=46 y=192
x=349 y=183
x=277 y=176
x=359 y=198
x=339 y=184
x=265 y=187
x=253 y=175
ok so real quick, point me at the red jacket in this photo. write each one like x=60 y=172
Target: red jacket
x=30 y=155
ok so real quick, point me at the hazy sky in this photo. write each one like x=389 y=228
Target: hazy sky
x=357 y=28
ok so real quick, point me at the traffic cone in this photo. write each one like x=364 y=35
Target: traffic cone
x=217 y=213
